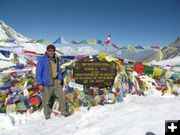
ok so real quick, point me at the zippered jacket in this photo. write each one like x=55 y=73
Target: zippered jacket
x=42 y=71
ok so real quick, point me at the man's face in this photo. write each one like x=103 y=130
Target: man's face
x=51 y=52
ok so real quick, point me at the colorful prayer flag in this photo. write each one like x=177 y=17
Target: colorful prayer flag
x=2 y=40
x=10 y=41
x=75 y=42
x=139 y=68
x=155 y=47
x=157 y=72
x=148 y=70
x=108 y=39
x=115 y=46
x=131 y=48
x=90 y=42
x=139 y=47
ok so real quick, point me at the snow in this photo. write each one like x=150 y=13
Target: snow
x=7 y=32
x=35 y=47
x=136 y=115
x=172 y=62
x=12 y=34
x=82 y=50
x=2 y=34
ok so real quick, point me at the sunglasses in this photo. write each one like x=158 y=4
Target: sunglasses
x=51 y=50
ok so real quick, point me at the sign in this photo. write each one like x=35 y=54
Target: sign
x=94 y=73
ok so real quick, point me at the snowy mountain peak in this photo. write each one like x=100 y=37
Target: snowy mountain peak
x=7 y=32
x=2 y=23
x=83 y=50
x=171 y=51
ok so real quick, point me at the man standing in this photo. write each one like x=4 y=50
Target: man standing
x=49 y=78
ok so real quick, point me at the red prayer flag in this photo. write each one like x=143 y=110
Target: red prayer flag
x=29 y=52
x=74 y=42
x=155 y=47
x=115 y=46
x=107 y=40
x=139 y=68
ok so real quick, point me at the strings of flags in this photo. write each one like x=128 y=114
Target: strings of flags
x=115 y=46
x=20 y=93
x=107 y=42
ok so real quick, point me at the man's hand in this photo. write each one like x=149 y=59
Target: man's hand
x=41 y=87
x=60 y=82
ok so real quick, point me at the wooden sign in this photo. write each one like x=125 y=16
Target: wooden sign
x=94 y=73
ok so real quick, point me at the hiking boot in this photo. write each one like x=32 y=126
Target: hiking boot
x=66 y=114
x=47 y=117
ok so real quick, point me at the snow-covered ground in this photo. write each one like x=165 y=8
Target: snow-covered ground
x=135 y=115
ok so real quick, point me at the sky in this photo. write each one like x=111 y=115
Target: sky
x=135 y=22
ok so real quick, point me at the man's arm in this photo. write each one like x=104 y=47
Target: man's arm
x=39 y=72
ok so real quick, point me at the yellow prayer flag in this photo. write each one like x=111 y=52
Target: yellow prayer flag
x=102 y=56
x=110 y=58
x=157 y=72
x=2 y=40
x=91 y=42
x=130 y=47
x=1 y=80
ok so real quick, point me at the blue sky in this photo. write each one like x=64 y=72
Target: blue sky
x=136 y=22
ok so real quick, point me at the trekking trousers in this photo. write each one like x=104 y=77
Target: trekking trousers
x=47 y=93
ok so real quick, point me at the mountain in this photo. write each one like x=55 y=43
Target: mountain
x=147 y=56
x=171 y=51
x=7 y=32
x=140 y=56
x=144 y=56
x=83 y=50
x=60 y=40
x=169 y=64
x=19 y=45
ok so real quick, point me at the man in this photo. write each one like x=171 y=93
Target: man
x=49 y=78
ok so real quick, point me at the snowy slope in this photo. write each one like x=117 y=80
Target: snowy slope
x=7 y=32
x=139 y=55
x=172 y=62
x=35 y=47
x=136 y=115
x=82 y=50
x=2 y=33
x=171 y=51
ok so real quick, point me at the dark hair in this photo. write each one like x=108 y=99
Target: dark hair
x=51 y=47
